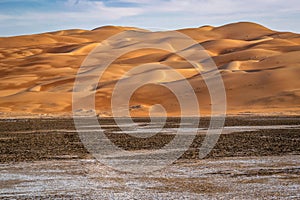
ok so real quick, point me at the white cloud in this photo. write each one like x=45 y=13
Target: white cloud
x=78 y=9
x=218 y=7
x=86 y=9
x=159 y=13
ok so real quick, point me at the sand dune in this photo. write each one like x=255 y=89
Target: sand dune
x=260 y=69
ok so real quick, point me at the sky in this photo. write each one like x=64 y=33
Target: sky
x=35 y=16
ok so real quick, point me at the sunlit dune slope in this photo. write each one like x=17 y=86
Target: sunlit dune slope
x=260 y=69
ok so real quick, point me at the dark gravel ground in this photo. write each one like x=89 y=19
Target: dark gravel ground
x=47 y=139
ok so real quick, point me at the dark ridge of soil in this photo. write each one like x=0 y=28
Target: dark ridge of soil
x=42 y=142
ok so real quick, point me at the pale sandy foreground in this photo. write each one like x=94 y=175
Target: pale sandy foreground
x=272 y=177
x=255 y=158
x=260 y=69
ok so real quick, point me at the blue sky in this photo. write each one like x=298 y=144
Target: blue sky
x=34 y=16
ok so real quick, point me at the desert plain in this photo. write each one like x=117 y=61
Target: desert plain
x=256 y=157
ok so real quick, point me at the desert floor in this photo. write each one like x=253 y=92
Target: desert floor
x=255 y=158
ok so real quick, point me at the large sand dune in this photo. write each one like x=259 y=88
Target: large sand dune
x=260 y=69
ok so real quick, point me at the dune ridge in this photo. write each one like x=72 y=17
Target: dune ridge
x=260 y=69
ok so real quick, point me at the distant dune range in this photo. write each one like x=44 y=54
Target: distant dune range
x=260 y=69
